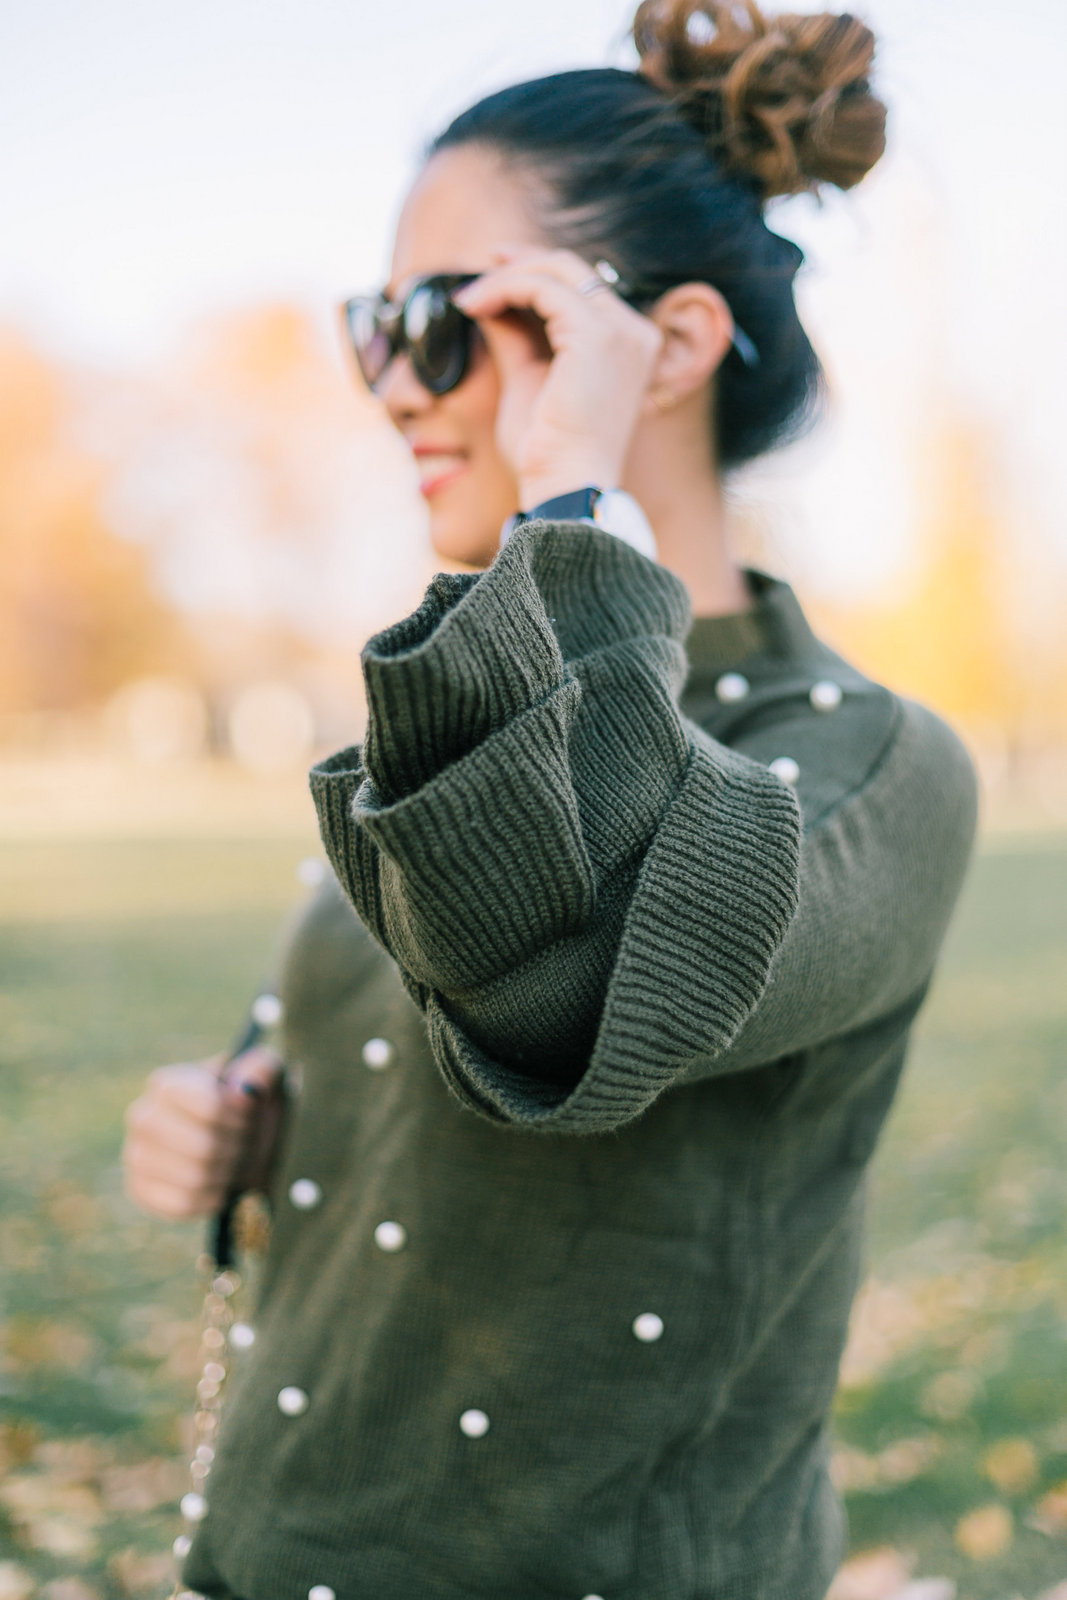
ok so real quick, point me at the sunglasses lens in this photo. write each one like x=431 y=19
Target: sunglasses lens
x=434 y=333
x=371 y=342
x=438 y=336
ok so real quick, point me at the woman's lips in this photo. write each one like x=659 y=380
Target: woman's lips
x=438 y=467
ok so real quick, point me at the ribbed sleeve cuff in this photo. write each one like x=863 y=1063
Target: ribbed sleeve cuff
x=715 y=895
x=481 y=648
x=486 y=864
x=477 y=652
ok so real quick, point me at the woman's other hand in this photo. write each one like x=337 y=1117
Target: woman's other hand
x=194 y=1136
x=574 y=369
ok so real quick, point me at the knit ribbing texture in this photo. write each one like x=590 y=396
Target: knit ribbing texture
x=529 y=809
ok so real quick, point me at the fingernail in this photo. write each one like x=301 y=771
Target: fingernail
x=253 y=1090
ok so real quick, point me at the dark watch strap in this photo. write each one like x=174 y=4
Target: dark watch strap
x=572 y=507
x=612 y=510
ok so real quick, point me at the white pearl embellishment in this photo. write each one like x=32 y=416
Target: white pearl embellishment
x=826 y=696
x=378 y=1053
x=786 y=769
x=390 y=1236
x=193 y=1506
x=474 y=1424
x=648 y=1327
x=292 y=1401
x=267 y=1010
x=305 y=1194
x=732 y=686
x=242 y=1337
x=321 y=1591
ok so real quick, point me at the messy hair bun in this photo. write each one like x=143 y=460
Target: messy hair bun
x=784 y=100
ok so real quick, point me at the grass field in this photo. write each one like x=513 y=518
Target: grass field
x=953 y=1411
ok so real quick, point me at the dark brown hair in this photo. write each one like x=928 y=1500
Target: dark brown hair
x=665 y=172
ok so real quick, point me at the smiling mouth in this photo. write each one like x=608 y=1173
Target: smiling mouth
x=438 y=468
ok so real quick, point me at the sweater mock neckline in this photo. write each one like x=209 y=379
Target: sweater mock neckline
x=773 y=626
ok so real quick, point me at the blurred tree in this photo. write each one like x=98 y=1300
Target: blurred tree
x=268 y=483
x=78 y=612
x=949 y=637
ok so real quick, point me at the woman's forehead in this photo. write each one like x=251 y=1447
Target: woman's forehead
x=464 y=204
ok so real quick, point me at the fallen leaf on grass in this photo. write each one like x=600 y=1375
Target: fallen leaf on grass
x=950 y=1395
x=69 y=1589
x=1050 y=1514
x=37 y=1494
x=73 y=1211
x=57 y=1517
x=872 y=1575
x=855 y=1471
x=908 y=1458
x=18 y=1440
x=852 y=1471
x=986 y=1533
x=15 y=1582
x=134 y=1571
x=1011 y=1464
x=73 y=1460
x=144 y=1485
x=31 y=1343
x=61 y=1536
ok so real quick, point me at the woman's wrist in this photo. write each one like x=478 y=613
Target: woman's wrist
x=566 y=479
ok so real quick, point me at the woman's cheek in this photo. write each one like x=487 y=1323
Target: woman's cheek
x=466 y=515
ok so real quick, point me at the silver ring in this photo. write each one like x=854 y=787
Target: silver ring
x=604 y=276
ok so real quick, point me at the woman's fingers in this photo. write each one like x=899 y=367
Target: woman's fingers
x=161 y=1163
x=200 y=1128
x=178 y=1202
x=191 y=1093
x=158 y=1119
x=573 y=379
x=257 y=1074
x=566 y=266
x=551 y=289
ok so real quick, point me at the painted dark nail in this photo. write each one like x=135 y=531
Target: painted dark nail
x=253 y=1090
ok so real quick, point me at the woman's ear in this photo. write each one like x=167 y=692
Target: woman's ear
x=697 y=330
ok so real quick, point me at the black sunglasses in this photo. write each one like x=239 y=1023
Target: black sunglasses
x=439 y=338
x=426 y=324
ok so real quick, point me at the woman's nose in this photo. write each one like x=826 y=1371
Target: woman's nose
x=401 y=392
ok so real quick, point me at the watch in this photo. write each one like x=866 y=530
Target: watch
x=611 y=509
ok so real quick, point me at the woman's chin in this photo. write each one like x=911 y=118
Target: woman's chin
x=461 y=539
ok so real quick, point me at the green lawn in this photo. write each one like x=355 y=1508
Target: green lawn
x=117 y=956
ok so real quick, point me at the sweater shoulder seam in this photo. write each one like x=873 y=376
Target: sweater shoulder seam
x=870 y=775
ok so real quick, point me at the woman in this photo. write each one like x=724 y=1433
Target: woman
x=568 y=1208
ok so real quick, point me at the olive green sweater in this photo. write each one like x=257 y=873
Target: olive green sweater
x=570 y=1213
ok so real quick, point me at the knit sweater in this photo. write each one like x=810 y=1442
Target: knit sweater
x=630 y=923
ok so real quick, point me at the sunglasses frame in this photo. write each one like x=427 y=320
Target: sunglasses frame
x=390 y=317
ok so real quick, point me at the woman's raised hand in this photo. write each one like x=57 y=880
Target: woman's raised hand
x=192 y=1136
x=570 y=394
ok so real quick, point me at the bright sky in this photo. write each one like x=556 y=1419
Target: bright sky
x=163 y=161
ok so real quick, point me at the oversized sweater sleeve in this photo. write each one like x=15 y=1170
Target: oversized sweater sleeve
x=586 y=895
